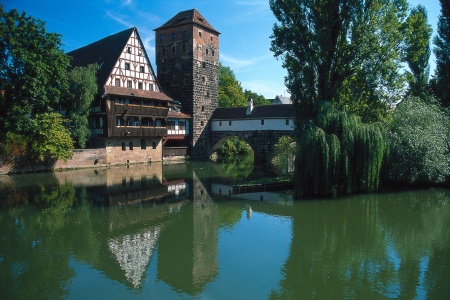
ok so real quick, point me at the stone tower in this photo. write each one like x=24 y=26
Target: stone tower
x=187 y=59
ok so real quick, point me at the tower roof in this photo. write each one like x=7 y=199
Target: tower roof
x=191 y=16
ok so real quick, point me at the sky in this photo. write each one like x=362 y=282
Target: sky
x=245 y=27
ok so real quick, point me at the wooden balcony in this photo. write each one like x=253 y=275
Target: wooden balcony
x=134 y=131
x=137 y=110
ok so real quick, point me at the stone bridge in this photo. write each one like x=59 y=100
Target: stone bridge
x=261 y=141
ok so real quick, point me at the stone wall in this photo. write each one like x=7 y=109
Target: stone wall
x=113 y=154
x=131 y=151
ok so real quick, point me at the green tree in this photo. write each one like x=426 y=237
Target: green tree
x=417 y=50
x=33 y=70
x=284 y=154
x=419 y=142
x=233 y=147
x=82 y=90
x=33 y=78
x=440 y=82
x=230 y=89
x=340 y=155
x=257 y=99
x=336 y=48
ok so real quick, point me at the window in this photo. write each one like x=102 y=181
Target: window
x=129 y=84
x=128 y=49
x=229 y=123
x=204 y=65
x=262 y=122
x=123 y=146
x=173 y=36
x=212 y=39
x=127 y=66
x=142 y=69
x=287 y=121
x=150 y=87
x=120 y=121
x=199 y=33
x=220 y=123
x=154 y=145
x=212 y=52
x=117 y=82
x=140 y=85
x=202 y=123
x=185 y=33
x=161 y=37
x=203 y=108
x=207 y=94
x=206 y=51
x=143 y=144
x=131 y=145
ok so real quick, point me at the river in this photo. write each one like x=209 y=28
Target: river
x=178 y=232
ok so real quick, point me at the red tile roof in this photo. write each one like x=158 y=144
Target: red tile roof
x=123 y=91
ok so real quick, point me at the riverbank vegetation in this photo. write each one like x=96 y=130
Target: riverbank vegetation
x=40 y=93
x=358 y=74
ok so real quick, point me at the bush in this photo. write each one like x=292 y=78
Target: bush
x=419 y=143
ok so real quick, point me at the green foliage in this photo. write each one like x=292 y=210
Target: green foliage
x=340 y=155
x=50 y=139
x=233 y=147
x=347 y=52
x=82 y=90
x=257 y=99
x=33 y=79
x=33 y=70
x=230 y=89
x=419 y=143
x=284 y=154
x=417 y=50
x=440 y=82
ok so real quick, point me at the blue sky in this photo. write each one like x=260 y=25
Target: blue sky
x=245 y=27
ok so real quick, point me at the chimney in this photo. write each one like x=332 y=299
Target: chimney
x=249 y=106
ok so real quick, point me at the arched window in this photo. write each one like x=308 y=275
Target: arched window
x=131 y=145
x=143 y=144
x=123 y=146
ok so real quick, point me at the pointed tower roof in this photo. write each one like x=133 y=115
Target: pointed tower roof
x=191 y=16
x=104 y=52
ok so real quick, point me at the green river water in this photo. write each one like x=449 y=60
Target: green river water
x=178 y=232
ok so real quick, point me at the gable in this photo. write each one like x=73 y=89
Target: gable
x=132 y=68
x=111 y=53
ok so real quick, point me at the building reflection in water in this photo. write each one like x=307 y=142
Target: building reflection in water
x=134 y=252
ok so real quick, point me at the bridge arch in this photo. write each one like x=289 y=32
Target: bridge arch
x=215 y=147
x=261 y=141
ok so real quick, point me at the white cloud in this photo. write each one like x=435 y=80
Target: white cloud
x=237 y=64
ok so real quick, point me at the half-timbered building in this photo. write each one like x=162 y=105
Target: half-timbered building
x=129 y=116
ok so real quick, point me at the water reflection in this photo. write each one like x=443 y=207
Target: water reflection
x=178 y=231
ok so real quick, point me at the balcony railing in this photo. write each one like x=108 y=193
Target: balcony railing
x=134 y=131
x=141 y=110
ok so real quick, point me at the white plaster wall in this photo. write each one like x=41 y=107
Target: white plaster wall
x=254 y=124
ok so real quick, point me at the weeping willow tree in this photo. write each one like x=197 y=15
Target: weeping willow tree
x=339 y=154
